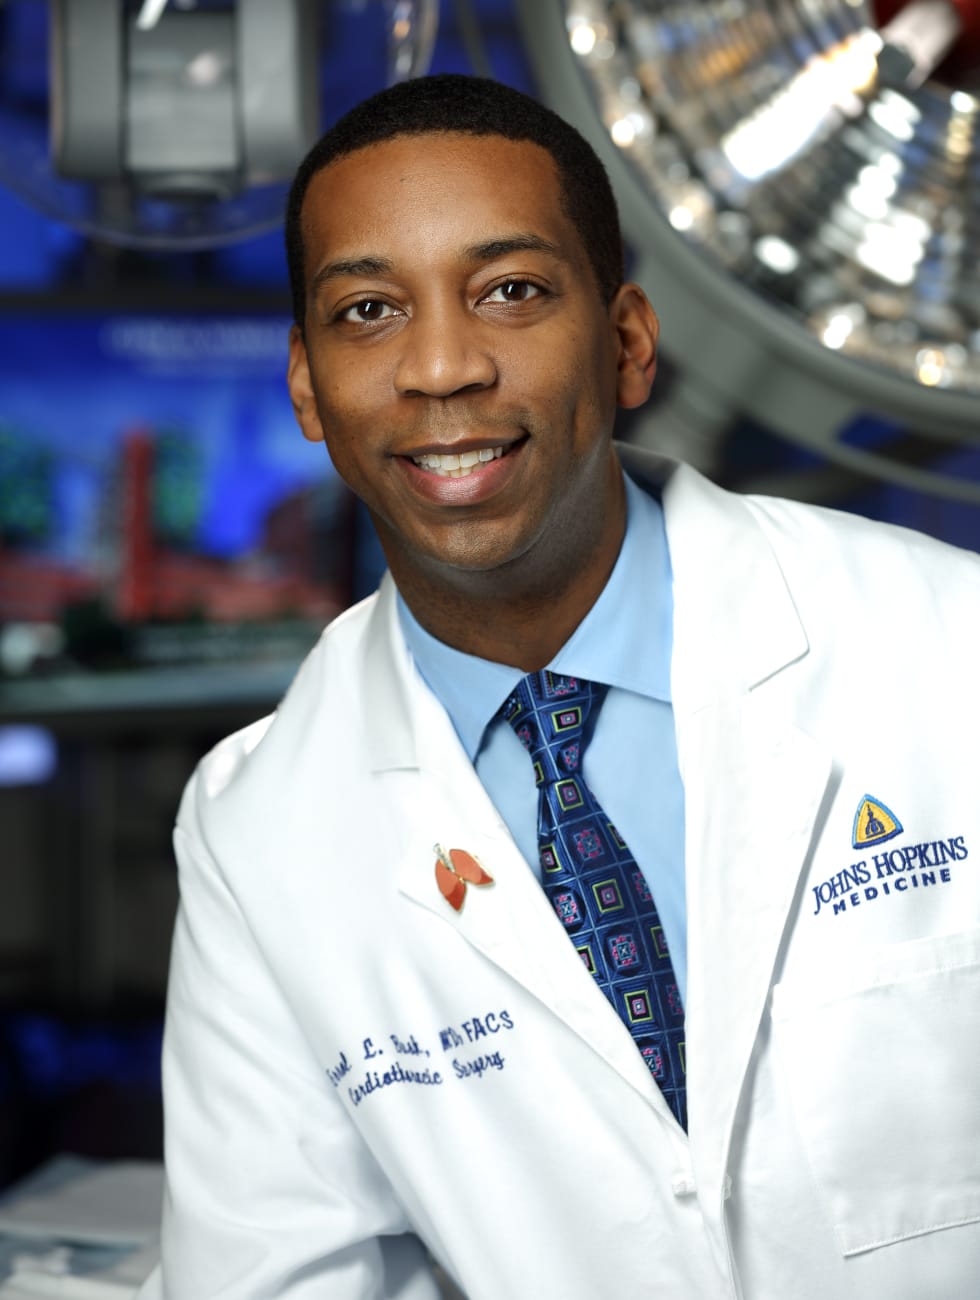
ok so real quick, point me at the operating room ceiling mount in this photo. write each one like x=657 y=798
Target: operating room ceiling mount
x=177 y=124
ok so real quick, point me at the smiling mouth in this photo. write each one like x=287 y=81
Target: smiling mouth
x=457 y=465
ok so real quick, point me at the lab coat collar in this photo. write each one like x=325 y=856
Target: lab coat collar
x=388 y=724
x=726 y=576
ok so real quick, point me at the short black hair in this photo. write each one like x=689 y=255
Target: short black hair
x=474 y=106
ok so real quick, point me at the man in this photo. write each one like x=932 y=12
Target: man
x=386 y=1025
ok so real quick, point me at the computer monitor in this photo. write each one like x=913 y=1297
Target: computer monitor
x=157 y=502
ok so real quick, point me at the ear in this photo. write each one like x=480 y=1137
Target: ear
x=637 y=330
x=301 y=388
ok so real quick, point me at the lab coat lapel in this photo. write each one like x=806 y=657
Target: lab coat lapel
x=427 y=780
x=754 y=785
x=753 y=793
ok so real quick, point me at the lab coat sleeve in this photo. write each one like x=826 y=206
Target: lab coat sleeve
x=271 y=1191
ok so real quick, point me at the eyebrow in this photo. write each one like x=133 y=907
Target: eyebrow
x=485 y=251
x=489 y=249
x=366 y=266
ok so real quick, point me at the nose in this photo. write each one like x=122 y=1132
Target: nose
x=444 y=352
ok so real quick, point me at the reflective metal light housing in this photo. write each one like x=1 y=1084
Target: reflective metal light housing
x=803 y=199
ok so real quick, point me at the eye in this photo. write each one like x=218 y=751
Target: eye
x=514 y=291
x=366 y=312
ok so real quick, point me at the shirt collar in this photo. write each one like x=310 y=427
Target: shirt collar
x=624 y=641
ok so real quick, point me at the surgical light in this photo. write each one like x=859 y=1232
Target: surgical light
x=803 y=201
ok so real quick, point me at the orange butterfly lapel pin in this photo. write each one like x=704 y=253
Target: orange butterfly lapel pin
x=454 y=870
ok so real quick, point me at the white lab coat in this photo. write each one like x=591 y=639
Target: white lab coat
x=348 y=1061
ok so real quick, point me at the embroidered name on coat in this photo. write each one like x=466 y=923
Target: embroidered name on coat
x=397 y=1058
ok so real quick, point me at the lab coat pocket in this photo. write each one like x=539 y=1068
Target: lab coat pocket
x=882 y=1064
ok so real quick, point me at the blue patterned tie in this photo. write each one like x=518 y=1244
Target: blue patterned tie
x=592 y=880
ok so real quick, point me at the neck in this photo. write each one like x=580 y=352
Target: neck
x=522 y=615
x=525 y=633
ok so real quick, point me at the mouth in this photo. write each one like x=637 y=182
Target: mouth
x=457 y=465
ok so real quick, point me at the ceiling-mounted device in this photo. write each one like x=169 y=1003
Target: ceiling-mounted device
x=179 y=123
x=181 y=103
x=800 y=183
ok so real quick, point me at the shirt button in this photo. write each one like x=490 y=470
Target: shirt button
x=683 y=1184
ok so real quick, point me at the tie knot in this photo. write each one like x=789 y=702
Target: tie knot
x=549 y=714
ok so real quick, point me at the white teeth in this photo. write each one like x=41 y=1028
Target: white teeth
x=457 y=466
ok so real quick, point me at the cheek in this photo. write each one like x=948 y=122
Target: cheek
x=336 y=406
x=590 y=405
x=348 y=423
x=343 y=450
x=350 y=382
x=583 y=373
x=560 y=381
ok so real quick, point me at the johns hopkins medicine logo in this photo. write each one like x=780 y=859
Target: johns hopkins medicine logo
x=884 y=872
x=874 y=822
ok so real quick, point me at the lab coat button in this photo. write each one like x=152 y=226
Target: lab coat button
x=726 y=1187
x=683 y=1184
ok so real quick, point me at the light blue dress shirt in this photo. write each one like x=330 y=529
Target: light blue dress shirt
x=625 y=641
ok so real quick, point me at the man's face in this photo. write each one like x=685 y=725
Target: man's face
x=458 y=359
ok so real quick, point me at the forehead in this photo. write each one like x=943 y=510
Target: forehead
x=420 y=197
